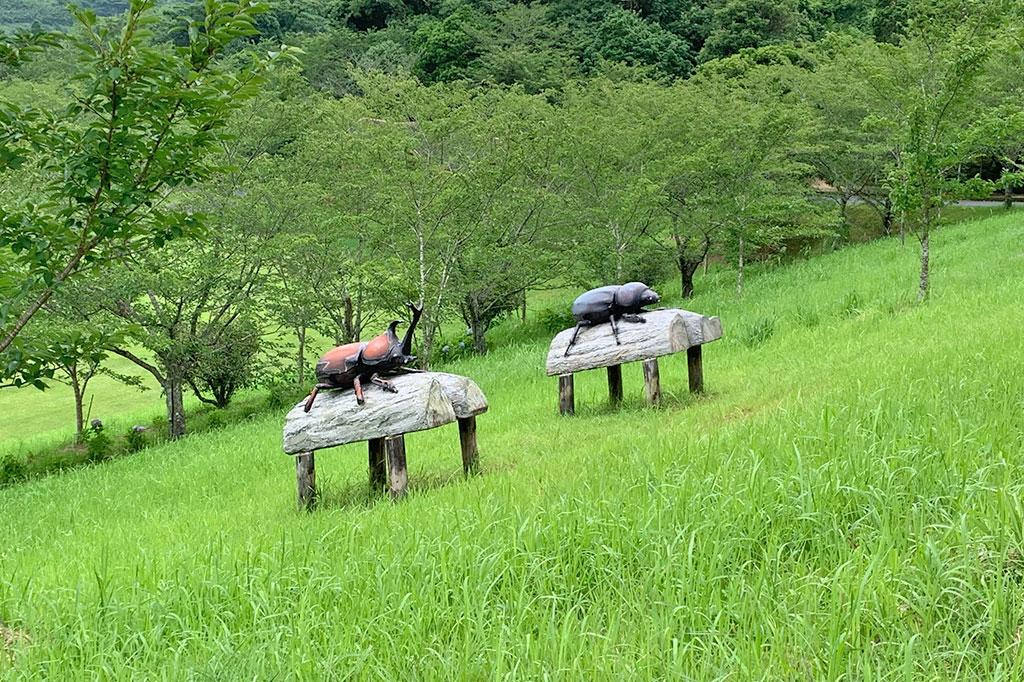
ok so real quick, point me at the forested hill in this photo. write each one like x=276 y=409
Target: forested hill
x=51 y=14
x=538 y=45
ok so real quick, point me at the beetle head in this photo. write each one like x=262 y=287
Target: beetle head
x=636 y=294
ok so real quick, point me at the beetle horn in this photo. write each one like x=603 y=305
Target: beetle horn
x=407 y=341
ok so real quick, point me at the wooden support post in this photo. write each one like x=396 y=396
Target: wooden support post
x=566 y=395
x=305 y=476
x=399 y=476
x=615 y=384
x=652 y=381
x=378 y=467
x=695 y=365
x=467 y=440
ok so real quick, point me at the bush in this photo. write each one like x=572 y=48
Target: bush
x=222 y=368
x=282 y=395
x=758 y=333
x=12 y=470
x=98 y=446
x=554 y=320
x=135 y=439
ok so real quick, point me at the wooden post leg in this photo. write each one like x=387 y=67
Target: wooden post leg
x=566 y=395
x=467 y=440
x=378 y=469
x=615 y=384
x=305 y=476
x=399 y=477
x=695 y=365
x=652 y=381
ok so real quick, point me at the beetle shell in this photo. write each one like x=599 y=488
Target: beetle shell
x=341 y=365
x=595 y=305
x=601 y=304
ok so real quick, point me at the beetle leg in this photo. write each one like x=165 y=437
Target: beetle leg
x=358 y=386
x=312 y=396
x=634 y=318
x=384 y=384
x=615 y=330
x=572 y=341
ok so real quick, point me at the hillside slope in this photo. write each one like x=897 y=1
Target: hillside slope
x=845 y=501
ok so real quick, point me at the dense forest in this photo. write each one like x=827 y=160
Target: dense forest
x=181 y=191
x=537 y=44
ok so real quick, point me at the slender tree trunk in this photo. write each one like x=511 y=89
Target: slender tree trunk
x=476 y=324
x=522 y=312
x=1007 y=198
x=887 y=217
x=173 y=390
x=739 y=270
x=350 y=332
x=300 y=358
x=687 y=269
x=923 y=282
x=79 y=391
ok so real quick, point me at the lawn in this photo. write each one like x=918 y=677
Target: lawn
x=845 y=501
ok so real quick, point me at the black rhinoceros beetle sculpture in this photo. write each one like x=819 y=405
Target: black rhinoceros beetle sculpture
x=349 y=365
x=611 y=304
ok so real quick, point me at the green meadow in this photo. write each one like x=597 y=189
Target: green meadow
x=843 y=503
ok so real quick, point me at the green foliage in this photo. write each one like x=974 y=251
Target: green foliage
x=446 y=46
x=144 y=124
x=624 y=37
x=13 y=469
x=228 y=362
x=554 y=320
x=98 y=444
x=135 y=439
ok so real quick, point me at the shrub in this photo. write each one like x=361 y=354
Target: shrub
x=135 y=439
x=282 y=395
x=223 y=367
x=554 y=320
x=98 y=446
x=12 y=470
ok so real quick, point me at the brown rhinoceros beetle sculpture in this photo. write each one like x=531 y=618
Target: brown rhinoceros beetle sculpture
x=349 y=365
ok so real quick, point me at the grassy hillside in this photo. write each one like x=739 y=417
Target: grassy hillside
x=846 y=501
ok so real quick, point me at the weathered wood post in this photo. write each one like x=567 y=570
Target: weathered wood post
x=695 y=367
x=467 y=440
x=566 y=395
x=615 y=384
x=378 y=468
x=397 y=473
x=652 y=381
x=305 y=476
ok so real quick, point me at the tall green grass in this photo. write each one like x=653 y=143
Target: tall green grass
x=844 y=503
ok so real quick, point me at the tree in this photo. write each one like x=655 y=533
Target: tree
x=611 y=149
x=924 y=93
x=753 y=153
x=142 y=124
x=849 y=155
x=514 y=242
